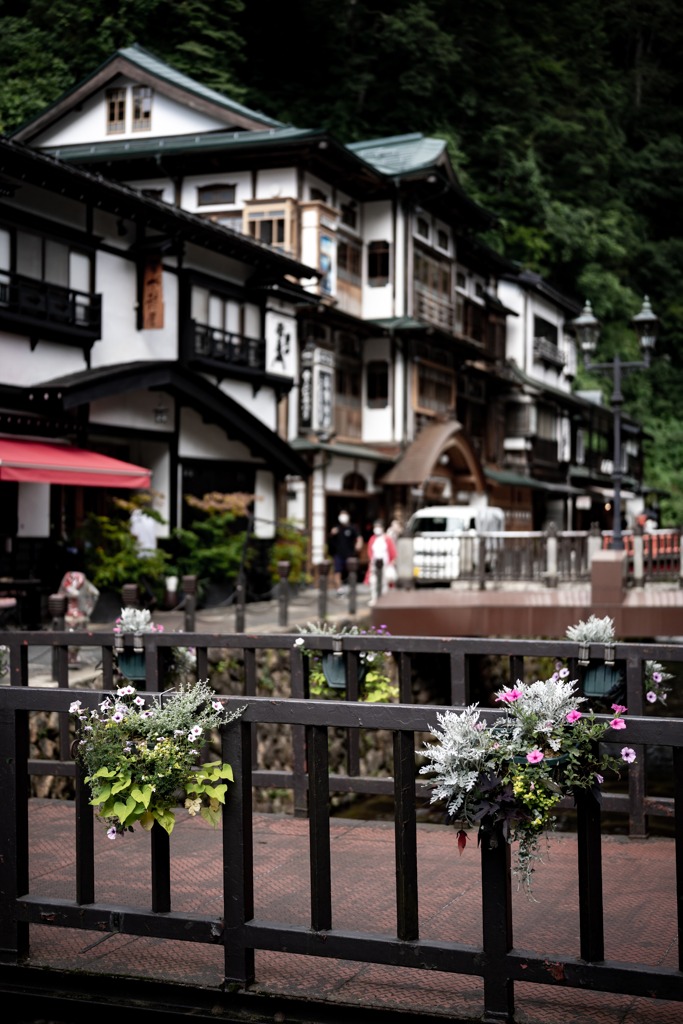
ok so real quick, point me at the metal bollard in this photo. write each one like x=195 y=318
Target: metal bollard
x=189 y=584
x=56 y=604
x=240 y=604
x=638 y=557
x=323 y=580
x=352 y=569
x=379 y=573
x=283 y=592
x=130 y=595
x=551 y=556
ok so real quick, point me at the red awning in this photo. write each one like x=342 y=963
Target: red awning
x=38 y=462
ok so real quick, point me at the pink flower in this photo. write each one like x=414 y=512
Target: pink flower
x=599 y=778
x=619 y=708
x=573 y=716
x=628 y=754
x=652 y=697
x=617 y=723
x=656 y=677
x=534 y=756
x=510 y=695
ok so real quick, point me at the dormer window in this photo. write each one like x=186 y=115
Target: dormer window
x=142 y=108
x=116 y=111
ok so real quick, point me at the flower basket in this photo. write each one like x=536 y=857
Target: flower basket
x=506 y=778
x=603 y=682
x=131 y=664
x=334 y=670
x=140 y=753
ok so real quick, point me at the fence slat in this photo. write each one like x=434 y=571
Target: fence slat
x=319 y=828
x=407 y=921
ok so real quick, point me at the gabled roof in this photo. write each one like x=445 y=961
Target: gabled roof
x=422 y=164
x=188 y=388
x=138 y=63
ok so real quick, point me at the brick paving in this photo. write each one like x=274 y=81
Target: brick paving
x=639 y=900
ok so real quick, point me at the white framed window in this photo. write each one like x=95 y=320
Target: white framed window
x=142 y=108
x=116 y=111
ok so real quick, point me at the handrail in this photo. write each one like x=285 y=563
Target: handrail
x=240 y=932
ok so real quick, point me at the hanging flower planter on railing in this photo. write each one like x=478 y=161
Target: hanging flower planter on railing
x=139 y=753
x=505 y=779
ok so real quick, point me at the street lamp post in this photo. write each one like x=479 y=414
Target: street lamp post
x=587 y=329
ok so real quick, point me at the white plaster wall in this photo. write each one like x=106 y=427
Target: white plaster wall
x=296 y=501
x=22 y=368
x=121 y=341
x=33 y=510
x=276 y=183
x=515 y=337
x=135 y=409
x=241 y=179
x=262 y=405
x=156 y=456
x=520 y=333
x=318 y=520
x=264 y=505
x=377 y=227
x=378 y=423
x=340 y=466
x=199 y=440
x=89 y=124
x=281 y=344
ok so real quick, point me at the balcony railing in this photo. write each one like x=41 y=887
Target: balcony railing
x=237 y=926
x=48 y=310
x=226 y=347
x=548 y=352
x=433 y=308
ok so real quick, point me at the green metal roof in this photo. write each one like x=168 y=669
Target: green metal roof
x=154 y=66
x=180 y=143
x=512 y=479
x=352 y=451
x=400 y=154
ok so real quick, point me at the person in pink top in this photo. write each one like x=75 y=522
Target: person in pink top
x=381 y=546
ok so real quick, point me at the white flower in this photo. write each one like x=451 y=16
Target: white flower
x=299 y=642
x=75 y=707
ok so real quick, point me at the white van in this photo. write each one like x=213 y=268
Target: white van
x=440 y=543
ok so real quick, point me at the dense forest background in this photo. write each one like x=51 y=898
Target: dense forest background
x=563 y=118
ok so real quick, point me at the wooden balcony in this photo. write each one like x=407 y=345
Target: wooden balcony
x=48 y=311
x=215 y=348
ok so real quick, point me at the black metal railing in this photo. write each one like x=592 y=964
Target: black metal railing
x=26 y=304
x=240 y=932
x=226 y=347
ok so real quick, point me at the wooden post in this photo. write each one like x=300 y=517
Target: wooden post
x=638 y=557
x=130 y=595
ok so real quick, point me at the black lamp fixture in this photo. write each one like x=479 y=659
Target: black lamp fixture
x=587 y=328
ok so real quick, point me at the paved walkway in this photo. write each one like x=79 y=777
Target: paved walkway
x=639 y=897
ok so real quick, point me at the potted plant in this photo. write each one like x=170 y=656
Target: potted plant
x=506 y=778
x=327 y=669
x=180 y=661
x=140 y=751
x=601 y=679
x=112 y=556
